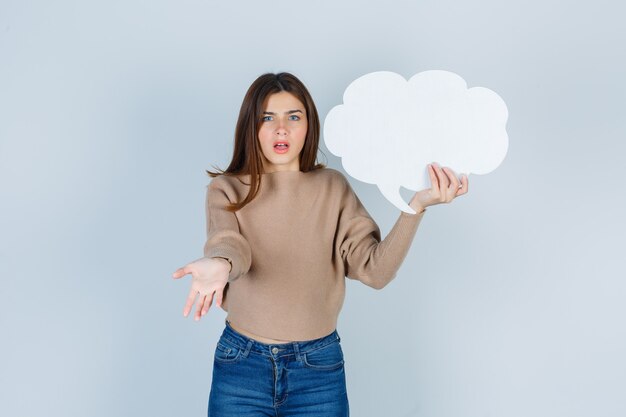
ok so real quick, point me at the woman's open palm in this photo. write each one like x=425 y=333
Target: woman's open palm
x=445 y=188
x=209 y=276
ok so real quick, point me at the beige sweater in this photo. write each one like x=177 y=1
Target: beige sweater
x=292 y=247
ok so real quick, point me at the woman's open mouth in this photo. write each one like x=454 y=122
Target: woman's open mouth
x=281 y=147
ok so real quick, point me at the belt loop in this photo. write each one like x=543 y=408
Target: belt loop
x=247 y=349
x=296 y=349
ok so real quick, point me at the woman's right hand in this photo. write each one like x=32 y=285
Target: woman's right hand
x=209 y=276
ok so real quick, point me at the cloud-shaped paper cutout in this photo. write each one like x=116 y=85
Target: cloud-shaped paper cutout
x=388 y=129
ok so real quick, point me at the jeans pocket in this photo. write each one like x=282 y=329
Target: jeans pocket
x=226 y=351
x=326 y=358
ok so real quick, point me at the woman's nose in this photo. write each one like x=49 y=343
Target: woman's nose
x=282 y=127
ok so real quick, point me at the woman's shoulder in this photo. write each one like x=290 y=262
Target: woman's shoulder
x=224 y=182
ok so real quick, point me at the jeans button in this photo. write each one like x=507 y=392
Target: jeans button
x=274 y=350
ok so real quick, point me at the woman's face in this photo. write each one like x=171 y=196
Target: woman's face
x=284 y=120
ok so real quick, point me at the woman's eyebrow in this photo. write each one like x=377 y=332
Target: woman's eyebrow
x=287 y=112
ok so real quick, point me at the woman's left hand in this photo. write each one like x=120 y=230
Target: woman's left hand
x=445 y=187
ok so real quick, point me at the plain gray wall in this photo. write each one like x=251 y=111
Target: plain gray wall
x=510 y=302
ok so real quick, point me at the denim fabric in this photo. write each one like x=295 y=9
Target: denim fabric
x=251 y=378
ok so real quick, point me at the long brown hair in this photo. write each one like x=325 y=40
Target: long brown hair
x=247 y=153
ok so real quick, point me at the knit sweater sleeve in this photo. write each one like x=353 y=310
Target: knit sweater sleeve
x=223 y=237
x=366 y=258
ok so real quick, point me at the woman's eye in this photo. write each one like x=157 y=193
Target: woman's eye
x=266 y=118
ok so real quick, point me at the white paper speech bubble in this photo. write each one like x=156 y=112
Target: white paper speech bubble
x=388 y=129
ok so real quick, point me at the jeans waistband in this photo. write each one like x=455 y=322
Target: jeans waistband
x=296 y=347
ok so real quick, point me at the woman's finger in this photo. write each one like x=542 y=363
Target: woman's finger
x=464 y=185
x=219 y=295
x=207 y=303
x=452 y=178
x=180 y=272
x=443 y=181
x=454 y=182
x=434 y=182
x=199 y=306
x=190 y=299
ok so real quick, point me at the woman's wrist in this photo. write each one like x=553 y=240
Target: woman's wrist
x=418 y=208
x=226 y=262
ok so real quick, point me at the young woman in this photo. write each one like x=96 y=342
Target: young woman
x=283 y=233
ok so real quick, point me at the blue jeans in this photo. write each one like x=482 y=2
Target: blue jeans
x=301 y=378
